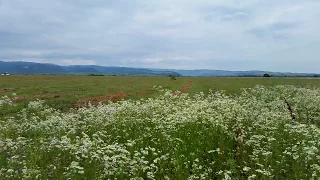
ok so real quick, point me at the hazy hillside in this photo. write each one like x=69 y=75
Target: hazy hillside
x=30 y=68
x=222 y=73
x=40 y=68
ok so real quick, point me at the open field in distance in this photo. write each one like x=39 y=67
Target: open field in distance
x=65 y=92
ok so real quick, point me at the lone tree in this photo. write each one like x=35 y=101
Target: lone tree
x=172 y=77
x=266 y=75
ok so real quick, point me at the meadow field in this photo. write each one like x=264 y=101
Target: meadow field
x=65 y=92
x=83 y=127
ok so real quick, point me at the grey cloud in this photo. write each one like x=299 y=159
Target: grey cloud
x=166 y=33
x=236 y=16
x=10 y=39
x=223 y=9
x=276 y=30
x=225 y=13
x=21 y=41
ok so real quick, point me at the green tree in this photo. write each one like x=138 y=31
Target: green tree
x=172 y=77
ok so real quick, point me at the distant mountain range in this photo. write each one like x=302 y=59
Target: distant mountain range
x=20 y=67
x=225 y=73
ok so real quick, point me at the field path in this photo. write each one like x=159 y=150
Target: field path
x=185 y=88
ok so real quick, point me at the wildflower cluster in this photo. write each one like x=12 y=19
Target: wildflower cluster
x=173 y=136
x=6 y=100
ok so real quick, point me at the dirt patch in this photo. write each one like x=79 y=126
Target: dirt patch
x=117 y=96
x=167 y=85
x=19 y=99
x=111 y=97
x=95 y=100
x=8 y=89
x=185 y=88
x=57 y=96
x=144 y=92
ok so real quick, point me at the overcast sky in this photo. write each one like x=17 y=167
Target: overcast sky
x=275 y=35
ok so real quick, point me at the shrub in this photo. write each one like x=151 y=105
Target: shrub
x=173 y=77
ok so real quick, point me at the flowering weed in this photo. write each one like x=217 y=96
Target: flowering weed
x=174 y=136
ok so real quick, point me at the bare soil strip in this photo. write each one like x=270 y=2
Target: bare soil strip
x=185 y=88
x=114 y=97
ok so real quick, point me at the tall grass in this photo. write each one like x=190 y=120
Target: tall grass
x=215 y=136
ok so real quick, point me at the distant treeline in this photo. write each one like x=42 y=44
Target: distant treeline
x=96 y=75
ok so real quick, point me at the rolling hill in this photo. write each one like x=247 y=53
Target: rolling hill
x=41 y=68
x=20 y=67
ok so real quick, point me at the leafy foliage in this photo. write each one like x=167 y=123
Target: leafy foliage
x=266 y=75
x=173 y=77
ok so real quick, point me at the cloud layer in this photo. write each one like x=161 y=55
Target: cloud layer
x=222 y=34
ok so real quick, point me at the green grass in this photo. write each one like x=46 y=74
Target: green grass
x=249 y=135
x=234 y=84
x=65 y=92
x=69 y=89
